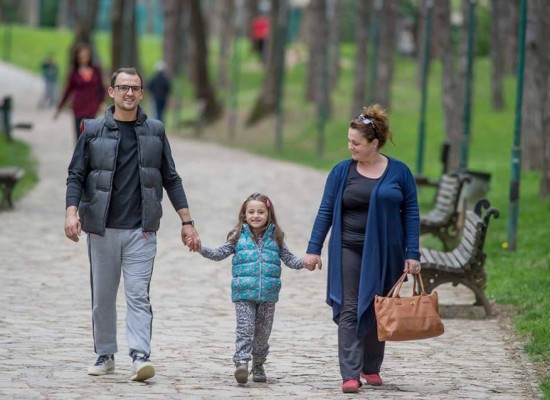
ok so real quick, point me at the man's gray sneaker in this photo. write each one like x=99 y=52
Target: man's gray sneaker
x=142 y=368
x=105 y=364
x=241 y=371
x=258 y=373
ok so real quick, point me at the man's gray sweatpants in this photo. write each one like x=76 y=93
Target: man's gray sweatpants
x=132 y=252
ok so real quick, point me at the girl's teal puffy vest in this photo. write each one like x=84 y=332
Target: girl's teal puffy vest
x=256 y=270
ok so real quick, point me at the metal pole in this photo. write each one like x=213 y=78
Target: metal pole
x=424 y=87
x=465 y=143
x=516 y=149
x=374 y=33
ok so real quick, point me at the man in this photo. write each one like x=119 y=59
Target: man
x=119 y=167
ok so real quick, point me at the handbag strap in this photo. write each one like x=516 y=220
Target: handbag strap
x=418 y=283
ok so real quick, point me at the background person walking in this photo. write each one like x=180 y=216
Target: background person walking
x=84 y=85
x=119 y=167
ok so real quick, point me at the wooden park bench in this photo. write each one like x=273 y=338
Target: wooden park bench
x=9 y=176
x=464 y=264
x=442 y=221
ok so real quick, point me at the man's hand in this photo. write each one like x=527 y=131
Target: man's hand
x=72 y=224
x=190 y=238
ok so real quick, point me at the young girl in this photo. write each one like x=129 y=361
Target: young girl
x=257 y=245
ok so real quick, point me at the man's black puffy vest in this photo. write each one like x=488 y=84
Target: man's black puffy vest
x=103 y=136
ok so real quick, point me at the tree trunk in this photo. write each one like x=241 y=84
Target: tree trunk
x=84 y=16
x=31 y=12
x=250 y=11
x=510 y=27
x=62 y=14
x=172 y=41
x=451 y=90
x=267 y=102
x=385 y=65
x=335 y=11
x=496 y=51
x=317 y=41
x=226 y=35
x=533 y=91
x=124 y=50
x=544 y=21
x=204 y=91
x=361 y=45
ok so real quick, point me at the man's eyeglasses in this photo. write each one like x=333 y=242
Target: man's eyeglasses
x=367 y=121
x=125 y=88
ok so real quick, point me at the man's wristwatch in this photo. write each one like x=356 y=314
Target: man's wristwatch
x=192 y=223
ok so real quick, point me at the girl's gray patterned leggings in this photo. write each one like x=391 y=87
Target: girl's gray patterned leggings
x=254 y=322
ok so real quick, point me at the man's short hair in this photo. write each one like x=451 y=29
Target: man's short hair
x=129 y=71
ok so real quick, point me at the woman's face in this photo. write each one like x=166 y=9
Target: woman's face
x=361 y=148
x=84 y=56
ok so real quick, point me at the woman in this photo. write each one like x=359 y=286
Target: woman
x=370 y=202
x=85 y=84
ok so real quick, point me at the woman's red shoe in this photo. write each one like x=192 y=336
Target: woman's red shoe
x=372 y=379
x=351 y=386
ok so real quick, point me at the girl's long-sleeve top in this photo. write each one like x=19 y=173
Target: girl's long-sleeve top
x=256 y=266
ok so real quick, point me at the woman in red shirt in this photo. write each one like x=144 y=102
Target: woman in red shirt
x=85 y=85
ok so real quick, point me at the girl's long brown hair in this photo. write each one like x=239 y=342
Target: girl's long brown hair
x=235 y=233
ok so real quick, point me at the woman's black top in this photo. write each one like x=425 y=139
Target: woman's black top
x=355 y=207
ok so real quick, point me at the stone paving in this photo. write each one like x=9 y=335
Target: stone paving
x=45 y=318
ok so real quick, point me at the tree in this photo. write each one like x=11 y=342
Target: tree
x=124 y=50
x=317 y=41
x=226 y=35
x=174 y=37
x=496 y=51
x=31 y=12
x=84 y=14
x=533 y=93
x=334 y=17
x=361 y=45
x=204 y=92
x=452 y=80
x=266 y=103
x=385 y=64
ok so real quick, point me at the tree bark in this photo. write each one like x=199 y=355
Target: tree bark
x=533 y=90
x=204 y=92
x=31 y=12
x=451 y=89
x=62 y=13
x=385 y=65
x=318 y=38
x=172 y=40
x=226 y=35
x=544 y=20
x=496 y=51
x=361 y=45
x=124 y=50
x=267 y=101
x=510 y=33
x=84 y=16
x=335 y=11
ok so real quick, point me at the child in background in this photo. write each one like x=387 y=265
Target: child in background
x=258 y=248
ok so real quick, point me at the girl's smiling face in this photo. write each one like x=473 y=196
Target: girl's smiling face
x=256 y=215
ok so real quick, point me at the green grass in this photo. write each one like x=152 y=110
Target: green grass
x=520 y=279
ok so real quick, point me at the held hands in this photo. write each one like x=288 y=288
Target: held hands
x=190 y=238
x=412 y=267
x=311 y=261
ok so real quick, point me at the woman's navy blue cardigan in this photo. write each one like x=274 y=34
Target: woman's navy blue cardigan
x=392 y=235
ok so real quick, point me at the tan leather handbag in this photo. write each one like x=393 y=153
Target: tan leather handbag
x=408 y=318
